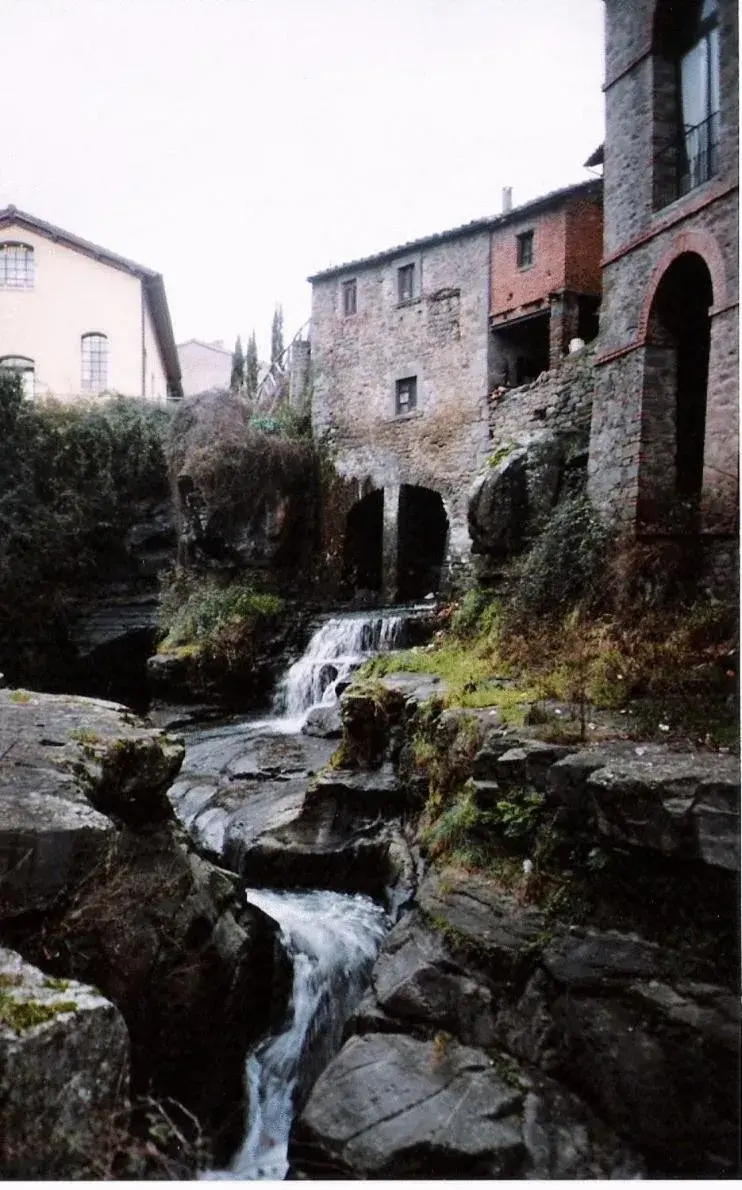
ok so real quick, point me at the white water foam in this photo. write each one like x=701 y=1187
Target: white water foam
x=333 y=940
x=336 y=649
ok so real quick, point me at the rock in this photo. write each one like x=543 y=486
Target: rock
x=653 y=1050
x=390 y=1106
x=529 y=764
x=684 y=805
x=72 y=768
x=195 y=971
x=481 y=923
x=415 y=980
x=64 y=1074
x=324 y=721
x=509 y=501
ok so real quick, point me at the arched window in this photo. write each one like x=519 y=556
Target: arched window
x=24 y=368
x=94 y=363
x=687 y=96
x=16 y=266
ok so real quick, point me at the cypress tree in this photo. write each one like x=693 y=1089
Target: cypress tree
x=251 y=366
x=237 y=379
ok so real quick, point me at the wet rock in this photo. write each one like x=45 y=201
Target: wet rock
x=324 y=721
x=64 y=1075
x=72 y=768
x=484 y=925
x=509 y=501
x=391 y=1106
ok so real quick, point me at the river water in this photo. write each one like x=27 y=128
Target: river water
x=332 y=938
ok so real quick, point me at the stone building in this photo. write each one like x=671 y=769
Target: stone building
x=406 y=347
x=664 y=435
x=78 y=320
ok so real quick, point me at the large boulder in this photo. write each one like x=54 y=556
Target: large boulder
x=72 y=769
x=390 y=1106
x=509 y=502
x=64 y=1076
x=100 y=884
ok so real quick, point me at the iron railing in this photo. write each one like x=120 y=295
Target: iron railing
x=689 y=160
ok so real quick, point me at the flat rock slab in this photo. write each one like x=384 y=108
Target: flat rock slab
x=390 y=1106
x=680 y=804
x=481 y=921
x=64 y=1074
x=70 y=768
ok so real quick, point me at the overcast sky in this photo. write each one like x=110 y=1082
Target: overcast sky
x=239 y=145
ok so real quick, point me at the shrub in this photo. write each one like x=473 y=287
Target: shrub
x=564 y=566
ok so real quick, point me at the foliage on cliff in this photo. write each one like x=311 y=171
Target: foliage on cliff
x=234 y=458
x=70 y=478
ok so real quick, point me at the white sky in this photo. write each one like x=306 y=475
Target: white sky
x=239 y=145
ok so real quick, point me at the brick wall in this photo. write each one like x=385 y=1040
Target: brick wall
x=584 y=246
x=513 y=288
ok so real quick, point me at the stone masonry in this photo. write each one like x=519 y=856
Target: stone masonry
x=644 y=236
x=440 y=337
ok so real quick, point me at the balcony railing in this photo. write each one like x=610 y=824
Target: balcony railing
x=688 y=161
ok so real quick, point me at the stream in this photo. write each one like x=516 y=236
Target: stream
x=332 y=938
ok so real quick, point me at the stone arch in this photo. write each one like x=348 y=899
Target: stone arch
x=362 y=545
x=674 y=396
x=701 y=243
x=423 y=535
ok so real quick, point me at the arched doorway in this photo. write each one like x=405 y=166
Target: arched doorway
x=362 y=548
x=423 y=536
x=674 y=397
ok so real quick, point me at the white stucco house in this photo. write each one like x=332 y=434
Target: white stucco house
x=78 y=320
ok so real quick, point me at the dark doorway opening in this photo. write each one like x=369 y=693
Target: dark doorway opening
x=587 y=317
x=675 y=392
x=362 y=549
x=423 y=535
x=521 y=350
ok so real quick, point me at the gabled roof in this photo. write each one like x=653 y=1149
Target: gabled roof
x=152 y=281
x=593 y=187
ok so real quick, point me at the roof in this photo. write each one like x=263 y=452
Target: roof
x=594 y=186
x=152 y=281
x=596 y=158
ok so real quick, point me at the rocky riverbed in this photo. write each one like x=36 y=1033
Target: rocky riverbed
x=502 y=1034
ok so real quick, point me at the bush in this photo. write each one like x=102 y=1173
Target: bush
x=565 y=565
x=70 y=477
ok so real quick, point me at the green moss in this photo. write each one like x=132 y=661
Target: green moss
x=21 y=1015
x=10 y=979
x=498 y=456
x=57 y=985
x=19 y=696
x=84 y=736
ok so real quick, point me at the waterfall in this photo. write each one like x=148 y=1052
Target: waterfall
x=337 y=648
x=333 y=940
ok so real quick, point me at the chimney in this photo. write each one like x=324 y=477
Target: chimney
x=507 y=199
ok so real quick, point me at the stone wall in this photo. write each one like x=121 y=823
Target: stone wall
x=560 y=400
x=642 y=240
x=441 y=338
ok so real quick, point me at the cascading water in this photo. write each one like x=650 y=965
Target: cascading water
x=336 y=649
x=333 y=940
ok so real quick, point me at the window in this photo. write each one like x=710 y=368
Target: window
x=406 y=283
x=406 y=395
x=686 y=97
x=94 y=363
x=16 y=266
x=24 y=368
x=350 y=297
x=524 y=249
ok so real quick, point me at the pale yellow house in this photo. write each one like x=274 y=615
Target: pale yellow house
x=204 y=366
x=76 y=319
